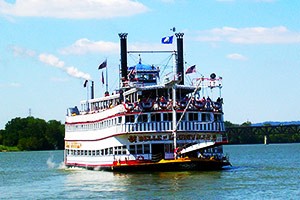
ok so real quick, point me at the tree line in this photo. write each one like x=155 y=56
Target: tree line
x=33 y=134
x=36 y=134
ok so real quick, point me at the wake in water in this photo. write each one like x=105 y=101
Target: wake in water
x=52 y=165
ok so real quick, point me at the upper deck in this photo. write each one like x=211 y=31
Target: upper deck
x=150 y=109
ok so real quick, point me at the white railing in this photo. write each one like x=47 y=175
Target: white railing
x=168 y=126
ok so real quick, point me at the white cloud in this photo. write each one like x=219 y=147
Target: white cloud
x=268 y=1
x=250 y=35
x=10 y=85
x=72 y=9
x=70 y=70
x=83 y=46
x=19 y=51
x=236 y=56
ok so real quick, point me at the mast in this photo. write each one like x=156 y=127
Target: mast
x=174 y=115
x=106 y=77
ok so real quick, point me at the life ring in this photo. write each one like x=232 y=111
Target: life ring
x=141 y=158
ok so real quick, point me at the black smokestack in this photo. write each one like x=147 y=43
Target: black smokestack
x=92 y=90
x=123 y=43
x=180 y=64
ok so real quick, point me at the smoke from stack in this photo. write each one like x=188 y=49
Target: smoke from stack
x=56 y=62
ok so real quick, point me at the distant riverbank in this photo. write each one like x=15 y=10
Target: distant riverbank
x=6 y=148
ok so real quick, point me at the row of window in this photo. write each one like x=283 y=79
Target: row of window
x=133 y=149
x=118 y=150
x=143 y=118
x=93 y=126
x=158 y=117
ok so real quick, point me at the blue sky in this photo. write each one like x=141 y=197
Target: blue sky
x=48 y=48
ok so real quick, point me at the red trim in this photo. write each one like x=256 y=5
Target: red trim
x=138 y=133
x=114 y=135
x=99 y=120
x=116 y=115
x=114 y=163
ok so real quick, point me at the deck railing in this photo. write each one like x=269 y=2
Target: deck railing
x=168 y=126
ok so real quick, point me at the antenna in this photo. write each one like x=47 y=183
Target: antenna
x=29 y=112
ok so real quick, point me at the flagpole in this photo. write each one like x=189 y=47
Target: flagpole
x=106 y=79
x=87 y=96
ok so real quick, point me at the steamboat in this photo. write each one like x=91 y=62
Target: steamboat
x=147 y=124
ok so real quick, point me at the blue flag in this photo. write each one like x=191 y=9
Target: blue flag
x=167 y=40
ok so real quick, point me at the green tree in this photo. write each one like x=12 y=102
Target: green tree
x=12 y=131
x=33 y=134
x=1 y=136
x=247 y=123
x=55 y=135
x=229 y=124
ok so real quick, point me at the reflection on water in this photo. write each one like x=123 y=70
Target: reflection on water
x=139 y=185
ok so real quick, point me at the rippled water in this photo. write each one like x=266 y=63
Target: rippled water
x=258 y=172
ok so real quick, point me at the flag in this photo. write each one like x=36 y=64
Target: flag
x=85 y=83
x=103 y=64
x=102 y=78
x=167 y=40
x=191 y=69
x=131 y=74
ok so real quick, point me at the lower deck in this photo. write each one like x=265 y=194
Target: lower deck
x=148 y=156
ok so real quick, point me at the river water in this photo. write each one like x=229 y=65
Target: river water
x=258 y=172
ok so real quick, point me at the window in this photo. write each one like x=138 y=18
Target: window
x=156 y=117
x=132 y=149
x=124 y=150
x=139 y=149
x=142 y=118
x=119 y=152
x=116 y=150
x=129 y=118
x=146 y=148
x=178 y=116
x=217 y=117
x=119 y=120
x=193 y=117
x=167 y=116
x=205 y=117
